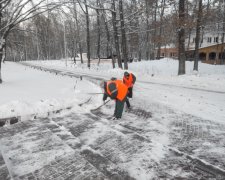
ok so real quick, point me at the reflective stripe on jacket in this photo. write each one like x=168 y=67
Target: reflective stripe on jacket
x=117 y=89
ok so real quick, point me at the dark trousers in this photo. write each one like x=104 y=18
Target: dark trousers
x=127 y=102
x=129 y=95
x=130 y=92
x=119 y=109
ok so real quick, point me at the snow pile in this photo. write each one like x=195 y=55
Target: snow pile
x=26 y=91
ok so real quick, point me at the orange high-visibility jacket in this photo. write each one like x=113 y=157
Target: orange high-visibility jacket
x=130 y=81
x=117 y=89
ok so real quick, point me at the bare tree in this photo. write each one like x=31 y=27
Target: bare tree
x=15 y=12
x=2 y=44
x=222 y=51
x=87 y=34
x=116 y=38
x=147 y=11
x=139 y=37
x=181 y=38
x=163 y=3
x=117 y=27
x=109 y=43
x=191 y=7
x=99 y=32
x=123 y=38
x=78 y=31
x=197 y=38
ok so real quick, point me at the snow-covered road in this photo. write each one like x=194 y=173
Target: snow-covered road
x=206 y=103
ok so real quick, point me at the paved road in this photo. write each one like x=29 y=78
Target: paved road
x=88 y=146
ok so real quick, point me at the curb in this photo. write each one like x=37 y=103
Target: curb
x=16 y=119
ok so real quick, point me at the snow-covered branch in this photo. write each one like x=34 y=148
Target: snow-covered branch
x=18 y=14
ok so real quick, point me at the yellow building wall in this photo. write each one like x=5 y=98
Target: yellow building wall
x=216 y=49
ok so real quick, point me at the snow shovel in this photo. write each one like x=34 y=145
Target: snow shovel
x=81 y=104
x=101 y=105
x=94 y=93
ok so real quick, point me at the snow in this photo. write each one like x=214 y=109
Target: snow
x=29 y=96
x=34 y=150
x=26 y=91
x=210 y=77
x=158 y=89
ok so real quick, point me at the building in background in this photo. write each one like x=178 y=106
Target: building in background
x=170 y=51
x=211 y=47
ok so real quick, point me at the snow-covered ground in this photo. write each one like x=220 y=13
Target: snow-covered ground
x=210 y=77
x=185 y=113
x=26 y=91
x=158 y=81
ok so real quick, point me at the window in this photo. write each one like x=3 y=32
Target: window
x=216 y=39
x=171 y=54
x=193 y=40
x=209 y=39
x=212 y=56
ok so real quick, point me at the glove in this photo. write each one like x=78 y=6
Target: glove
x=104 y=97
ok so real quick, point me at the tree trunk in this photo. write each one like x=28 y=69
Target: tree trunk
x=1 y=55
x=88 y=35
x=78 y=32
x=222 y=51
x=109 y=44
x=74 y=41
x=124 y=41
x=74 y=50
x=153 y=54
x=189 y=38
x=116 y=38
x=64 y=40
x=139 y=36
x=197 y=38
x=109 y=47
x=181 y=38
x=1 y=45
x=147 y=30
x=48 y=34
x=37 y=41
x=160 y=30
x=99 y=33
x=113 y=58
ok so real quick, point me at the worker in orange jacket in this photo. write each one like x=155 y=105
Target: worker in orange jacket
x=117 y=90
x=129 y=80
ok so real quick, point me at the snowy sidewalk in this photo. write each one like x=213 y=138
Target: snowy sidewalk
x=83 y=145
x=32 y=151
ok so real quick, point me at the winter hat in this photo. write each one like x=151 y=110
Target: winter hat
x=126 y=73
